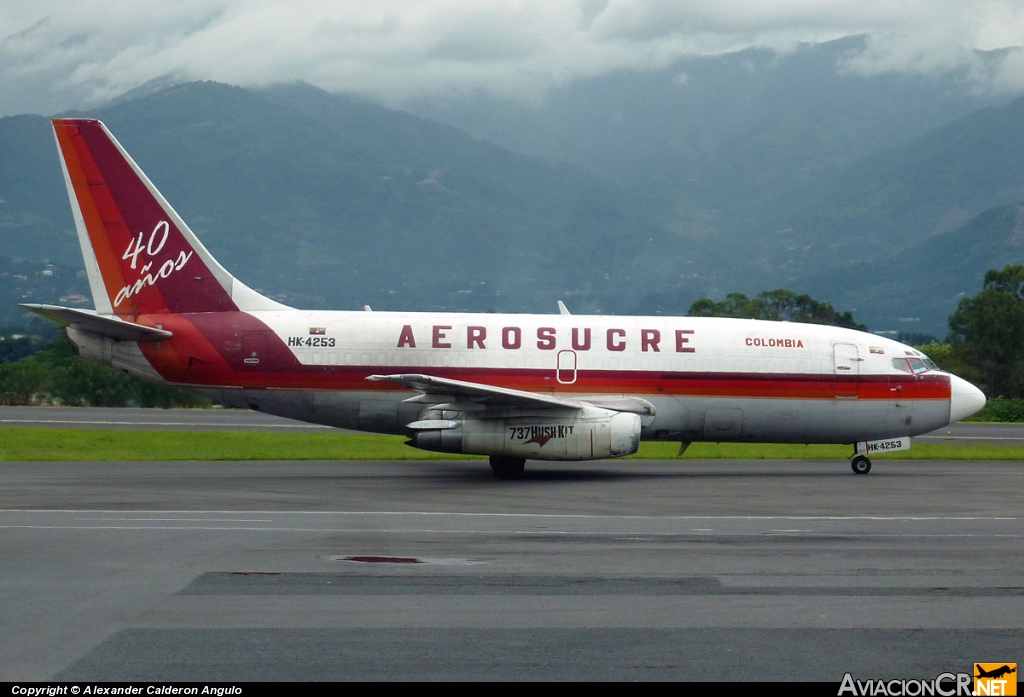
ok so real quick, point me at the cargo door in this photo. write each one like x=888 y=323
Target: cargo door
x=378 y=416
x=723 y=424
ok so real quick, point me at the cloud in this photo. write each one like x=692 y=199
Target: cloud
x=954 y=38
x=56 y=54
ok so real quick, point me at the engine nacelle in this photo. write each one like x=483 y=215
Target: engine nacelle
x=591 y=434
x=123 y=355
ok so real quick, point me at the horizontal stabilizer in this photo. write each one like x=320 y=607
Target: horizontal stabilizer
x=89 y=321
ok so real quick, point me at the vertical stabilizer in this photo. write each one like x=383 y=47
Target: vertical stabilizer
x=140 y=255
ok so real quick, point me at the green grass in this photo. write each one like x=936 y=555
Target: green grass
x=44 y=444
x=82 y=444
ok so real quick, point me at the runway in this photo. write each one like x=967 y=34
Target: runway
x=238 y=420
x=700 y=570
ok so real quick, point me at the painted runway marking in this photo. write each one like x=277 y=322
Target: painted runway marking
x=429 y=531
x=188 y=520
x=568 y=516
x=966 y=438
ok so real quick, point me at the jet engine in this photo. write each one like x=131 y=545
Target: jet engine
x=123 y=355
x=589 y=433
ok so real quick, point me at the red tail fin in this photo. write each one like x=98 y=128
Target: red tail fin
x=140 y=255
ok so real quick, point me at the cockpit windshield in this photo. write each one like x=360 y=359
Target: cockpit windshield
x=915 y=365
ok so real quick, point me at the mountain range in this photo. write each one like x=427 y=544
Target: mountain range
x=328 y=202
x=889 y=196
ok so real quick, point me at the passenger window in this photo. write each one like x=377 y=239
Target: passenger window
x=901 y=364
x=917 y=365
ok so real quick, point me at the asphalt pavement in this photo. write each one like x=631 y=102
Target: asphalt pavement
x=692 y=570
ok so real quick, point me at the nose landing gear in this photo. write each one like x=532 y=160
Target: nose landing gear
x=860 y=464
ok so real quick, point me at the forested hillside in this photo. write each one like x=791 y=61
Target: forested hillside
x=901 y=197
x=943 y=269
x=325 y=201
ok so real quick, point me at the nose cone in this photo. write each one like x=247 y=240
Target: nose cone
x=965 y=399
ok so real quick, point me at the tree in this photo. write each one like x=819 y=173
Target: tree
x=56 y=374
x=987 y=333
x=779 y=305
x=21 y=381
x=734 y=305
x=1009 y=280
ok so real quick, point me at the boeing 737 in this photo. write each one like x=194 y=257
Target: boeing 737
x=510 y=386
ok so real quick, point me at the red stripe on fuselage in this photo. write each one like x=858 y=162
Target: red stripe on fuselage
x=207 y=349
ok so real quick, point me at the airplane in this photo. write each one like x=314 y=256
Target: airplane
x=509 y=386
x=994 y=673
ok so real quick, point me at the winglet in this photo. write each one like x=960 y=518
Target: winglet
x=562 y=309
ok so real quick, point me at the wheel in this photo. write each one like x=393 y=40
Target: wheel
x=860 y=465
x=507 y=467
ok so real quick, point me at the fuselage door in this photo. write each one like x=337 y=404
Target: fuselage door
x=566 y=371
x=847 y=370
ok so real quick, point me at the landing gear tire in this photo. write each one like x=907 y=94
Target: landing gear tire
x=507 y=467
x=860 y=465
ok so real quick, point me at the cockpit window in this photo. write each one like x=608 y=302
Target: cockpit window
x=917 y=365
x=914 y=365
x=901 y=364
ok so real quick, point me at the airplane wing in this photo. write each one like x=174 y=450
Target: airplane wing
x=89 y=321
x=447 y=388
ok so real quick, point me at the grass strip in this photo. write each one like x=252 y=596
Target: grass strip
x=45 y=444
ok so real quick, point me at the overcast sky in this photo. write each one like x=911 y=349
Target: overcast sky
x=57 y=54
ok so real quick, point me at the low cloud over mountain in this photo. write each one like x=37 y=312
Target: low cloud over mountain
x=56 y=54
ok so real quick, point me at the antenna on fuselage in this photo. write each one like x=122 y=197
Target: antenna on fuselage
x=562 y=309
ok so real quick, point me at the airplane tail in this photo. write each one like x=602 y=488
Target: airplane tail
x=140 y=256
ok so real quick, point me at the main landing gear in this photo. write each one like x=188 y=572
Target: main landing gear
x=507 y=467
x=860 y=465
